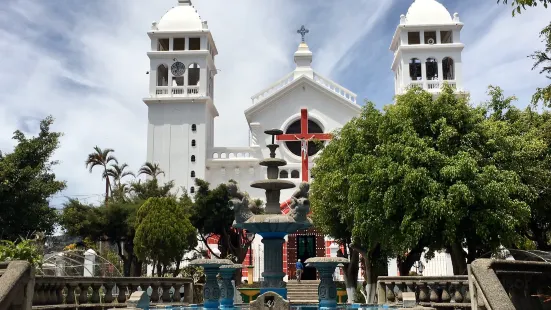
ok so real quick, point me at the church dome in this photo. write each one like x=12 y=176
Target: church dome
x=183 y=17
x=428 y=12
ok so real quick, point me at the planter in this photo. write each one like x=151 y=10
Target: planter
x=342 y=297
x=249 y=294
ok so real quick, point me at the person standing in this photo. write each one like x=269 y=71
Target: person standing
x=300 y=268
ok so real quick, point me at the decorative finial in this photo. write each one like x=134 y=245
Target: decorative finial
x=184 y=2
x=303 y=31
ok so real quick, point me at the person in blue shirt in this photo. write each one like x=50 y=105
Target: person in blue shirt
x=300 y=269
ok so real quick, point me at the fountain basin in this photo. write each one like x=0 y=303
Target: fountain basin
x=272 y=162
x=327 y=289
x=273 y=185
x=264 y=224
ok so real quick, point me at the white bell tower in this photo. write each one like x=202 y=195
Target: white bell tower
x=427 y=48
x=181 y=109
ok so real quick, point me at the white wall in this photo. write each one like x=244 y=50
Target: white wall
x=169 y=140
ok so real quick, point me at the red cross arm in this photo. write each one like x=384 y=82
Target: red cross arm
x=312 y=136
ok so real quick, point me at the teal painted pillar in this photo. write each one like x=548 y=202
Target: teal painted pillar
x=211 y=290
x=327 y=289
x=227 y=290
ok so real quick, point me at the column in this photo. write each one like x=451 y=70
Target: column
x=273 y=265
x=327 y=289
x=211 y=290
x=424 y=72
x=227 y=290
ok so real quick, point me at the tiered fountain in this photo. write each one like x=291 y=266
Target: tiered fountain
x=273 y=226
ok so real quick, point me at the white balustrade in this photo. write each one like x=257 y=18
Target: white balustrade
x=193 y=90
x=341 y=91
x=177 y=91
x=433 y=85
x=273 y=88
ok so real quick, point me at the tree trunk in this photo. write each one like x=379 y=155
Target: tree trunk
x=459 y=259
x=373 y=269
x=404 y=266
x=159 y=270
x=350 y=271
x=177 y=269
x=106 y=191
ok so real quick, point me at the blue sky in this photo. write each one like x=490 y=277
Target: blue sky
x=84 y=62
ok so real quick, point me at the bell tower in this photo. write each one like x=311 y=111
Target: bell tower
x=181 y=108
x=427 y=48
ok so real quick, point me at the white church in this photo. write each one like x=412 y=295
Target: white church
x=303 y=104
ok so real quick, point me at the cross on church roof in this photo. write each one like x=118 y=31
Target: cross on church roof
x=303 y=31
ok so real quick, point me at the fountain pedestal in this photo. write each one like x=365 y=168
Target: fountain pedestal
x=211 y=290
x=327 y=289
x=273 y=226
x=227 y=290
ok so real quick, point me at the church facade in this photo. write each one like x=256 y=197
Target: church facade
x=303 y=104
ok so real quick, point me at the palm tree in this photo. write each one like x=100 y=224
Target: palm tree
x=117 y=173
x=101 y=158
x=152 y=170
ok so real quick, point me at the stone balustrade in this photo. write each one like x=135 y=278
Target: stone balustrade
x=437 y=292
x=53 y=292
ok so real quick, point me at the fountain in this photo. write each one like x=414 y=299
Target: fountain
x=227 y=289
x=273 y=226
x=211 y=290
x=327 y=290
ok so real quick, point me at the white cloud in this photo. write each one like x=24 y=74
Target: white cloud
x=85 y=63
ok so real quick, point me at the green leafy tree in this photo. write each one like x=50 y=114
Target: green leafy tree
x=530 y=131
x=115 y=224
x=102 y=158
x=24 y=249
x=164 y=233
x=422 y=176
x=27 y=182
x=332 y=212
x=542 y=58
x=519 y=5
x=211 y=215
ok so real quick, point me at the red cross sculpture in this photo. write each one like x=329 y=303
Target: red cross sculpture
x=304 y=136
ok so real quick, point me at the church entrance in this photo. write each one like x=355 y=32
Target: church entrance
x=306 y=248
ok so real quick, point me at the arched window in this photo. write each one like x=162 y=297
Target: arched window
x=192 y=190
x=283 y=174
x=193 y=74
x=193 y=142
x=162 y=75
x=432 y=69
x=194 y=128
x=295 y=174
x=193 y=174
x=415 y=69
x=295 y=146
x=448 y=68
x=192 y=158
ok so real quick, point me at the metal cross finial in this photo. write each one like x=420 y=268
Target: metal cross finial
x=303 y=31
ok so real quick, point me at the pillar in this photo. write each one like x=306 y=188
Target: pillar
x=273 y=264
x=327 y=289
x=211 y=290
x=227 y=290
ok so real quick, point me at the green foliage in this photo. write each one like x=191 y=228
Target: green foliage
x=163 y=231
x=530 y=134
x=543 y=59
x=519 y=5
x=27 y=182
x=24 y=249
x=424 y=174
x=211 y=215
